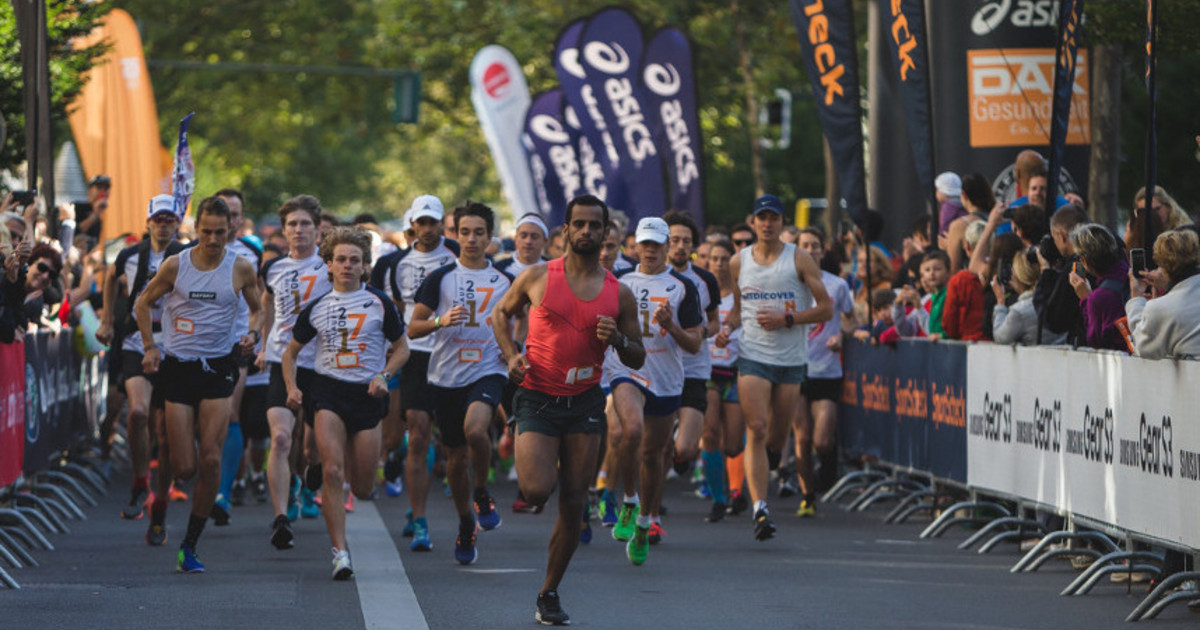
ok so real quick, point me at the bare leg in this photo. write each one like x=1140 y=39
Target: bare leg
x=415 y=467
x=657 y=437
x=138 y=391
x=755 y=394
x=360 y=466
x=802 y=426
x=476 y=425
x=331 y=443
x=629 y=402
x=687 y=437
x=279 y=475
x=211 y=422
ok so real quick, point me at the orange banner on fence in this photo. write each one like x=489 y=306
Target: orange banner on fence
x=115 y=124
x=1010 y=92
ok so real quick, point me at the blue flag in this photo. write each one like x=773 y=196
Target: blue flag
x=1064 y=82
x=183 y=175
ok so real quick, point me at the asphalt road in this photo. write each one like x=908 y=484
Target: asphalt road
x=837 y=570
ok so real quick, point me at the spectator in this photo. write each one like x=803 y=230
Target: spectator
x=883 y=328
x=1029 y=223
x=917 y=316
x=1168 y=326
x=742 y=236
x=91 y=217
x=790 y=234
x=328 y=222
x=881 y=278
x=1019 y=323
x=1168 y=210
x=949 y=196
x=43 y=288
x=554 y=245
x=702 y=250
x=1135 y=228
x=1037 y=188
x=962 y=316
x=1054 y=298
x=1101 y=257
x=977 y=198
x=913 y=252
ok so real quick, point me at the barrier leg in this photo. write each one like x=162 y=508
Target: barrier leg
x=873 y=494
x=8 y=581
x=947 y=519
x=101 y=467
x=913 y=500
x=1007 y=521
x=51 y=490
x=999 y=538
x=44 y=510
x=14 y=552
x=1106 y=565
x=850 y=481
x=90 y=478
x=26 y=526
x=37 y=517
x=67 y=481
x=1038 y=556
x=1162 y=596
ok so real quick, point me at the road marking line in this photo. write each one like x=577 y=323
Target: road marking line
x=384 y=592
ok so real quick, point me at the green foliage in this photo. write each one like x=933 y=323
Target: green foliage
x=65 y=20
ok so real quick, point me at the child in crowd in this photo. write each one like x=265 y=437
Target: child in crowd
x=918 y=316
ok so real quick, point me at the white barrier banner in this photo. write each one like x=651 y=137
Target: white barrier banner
x=501 y=98
x=1106 y=436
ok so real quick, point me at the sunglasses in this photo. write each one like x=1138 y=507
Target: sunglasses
x=742 y=242
x=44 y=268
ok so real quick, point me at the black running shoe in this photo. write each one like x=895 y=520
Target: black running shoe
x=764 y=529
x=281 y=533
x=238 y=495
x=739 y=504
x=717 y=513
x=550 y=612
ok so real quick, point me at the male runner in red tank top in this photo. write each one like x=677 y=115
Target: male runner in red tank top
x=577 y=309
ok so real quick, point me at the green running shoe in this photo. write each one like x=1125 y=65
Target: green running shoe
x=624 y=529
x=637 y=548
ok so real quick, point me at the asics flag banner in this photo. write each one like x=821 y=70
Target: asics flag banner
x=501 y=99
x=552 y=159
x=1064 y=84
x=670 y=89
x=610 y=52
x=599 y=160
x=827 y=43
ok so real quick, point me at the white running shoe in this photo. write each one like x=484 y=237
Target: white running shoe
x=341 y=564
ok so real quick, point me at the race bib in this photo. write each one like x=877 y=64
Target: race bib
x=577 y=374
x=470 y=355
x=184 y=326
x=718 y=353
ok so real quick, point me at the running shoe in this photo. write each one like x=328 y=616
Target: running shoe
x=220 y=511
x=293 y=504
x=638 y=547
x=237 y=496
x=258 y=485
x=608 y=508
x=738 y=504
x=788 y=487
x=394 y=487
x=137 y=505
x=716 y=513
x=549 y=610
x=521 y=505
x=308 y=504
x=188 y=561
x=808 y=508
x=681 y=466
x=408 y=525
x=349 y=502
x=464 y=547
x=281 y=533
x=764 y=529
x=585 y=534
x=420 y=541
x=156 y=535
x=657 y=533
x=177 y=495
x=485 y=510
x=623 y=531
x=341 y=565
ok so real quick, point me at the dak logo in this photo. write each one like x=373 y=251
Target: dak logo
x=1010 y=93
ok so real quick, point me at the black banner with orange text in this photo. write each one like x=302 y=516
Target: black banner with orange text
x=909 y=50
x=906 y=405
x=827 y=43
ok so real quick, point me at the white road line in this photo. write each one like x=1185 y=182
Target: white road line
x=384 y=592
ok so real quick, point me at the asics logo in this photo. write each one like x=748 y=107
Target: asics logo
x=989 y=16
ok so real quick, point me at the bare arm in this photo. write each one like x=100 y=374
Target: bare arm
x=159 y=285
x=511 y=305
x=423 y=323
x=979 y=256
x=268 y=322
x=398 y=354
x=109 y=299
x=248 y=280
x=294 y=395
x=633 y=354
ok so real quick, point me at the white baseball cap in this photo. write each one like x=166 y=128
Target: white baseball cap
x=948 y=184
x=427 y=206
x=161 y=204
x=652 y=229
x=406 y=222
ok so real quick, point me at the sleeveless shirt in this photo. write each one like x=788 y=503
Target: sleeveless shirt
x=773 y=288
x=199 y=312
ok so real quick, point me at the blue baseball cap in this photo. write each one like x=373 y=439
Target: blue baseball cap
x=768 y=203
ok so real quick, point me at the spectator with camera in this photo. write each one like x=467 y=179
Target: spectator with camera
x=962 y=315
x=1103 y=303
x=89 y=215
x=917 y=316
x=977 y=198
x=1018 y=323
x=1167 y=326
x=1053 y=297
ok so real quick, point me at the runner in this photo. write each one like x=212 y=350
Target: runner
x=777 y=286
x=133 y=269
x=202 y=286
x=354 y=325
x=816 y=423
x=724 y=432
x=292 y=282
x=697 y=367
x=428 y=252
x=576 y=310
x=391 y=456
x=647 y=399
x=606 y=477
x=465 y=367
x=231 y=453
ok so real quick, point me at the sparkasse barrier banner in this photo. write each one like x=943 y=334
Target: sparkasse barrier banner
x=827 y=43
x=670 y=89
x=1096 y=434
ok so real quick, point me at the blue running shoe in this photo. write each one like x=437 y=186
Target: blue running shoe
x=585 y=534
x=293 y=504
x=408 y=525
x=485 y=510
x=420 y=541
x=308 y=506
x=394 y=488
x=464 y=548
x=608 y=508
x=188 y=562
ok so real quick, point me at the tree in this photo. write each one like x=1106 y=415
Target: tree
x=65 y=20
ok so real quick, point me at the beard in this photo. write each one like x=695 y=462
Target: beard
x=584 y=248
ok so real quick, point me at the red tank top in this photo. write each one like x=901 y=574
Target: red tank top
x=565 y=357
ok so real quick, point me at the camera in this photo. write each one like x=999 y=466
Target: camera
x=24 y=197
x=1137 y=260
x=1049 y=250
x=1004 y=273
